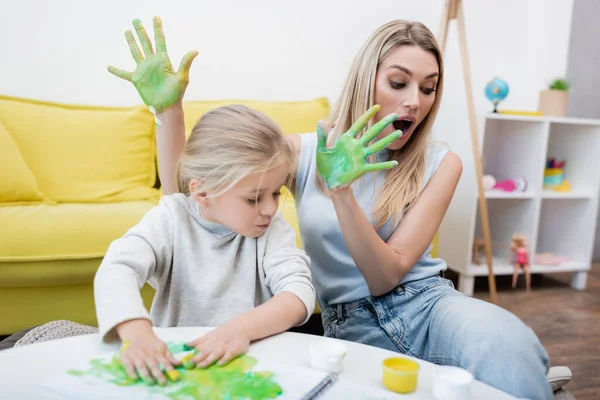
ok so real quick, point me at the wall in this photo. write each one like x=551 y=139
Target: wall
x=278 y=50
x=583 y=72
x=266 y=49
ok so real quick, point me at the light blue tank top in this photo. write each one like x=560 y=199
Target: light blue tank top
x=335 y=275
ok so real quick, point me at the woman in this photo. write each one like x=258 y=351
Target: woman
x=369 y=235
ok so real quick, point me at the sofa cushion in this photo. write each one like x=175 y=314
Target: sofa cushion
x=65 y=231
x=291 y=116
x=17 y=183
x=288 y=209
x=84 y=153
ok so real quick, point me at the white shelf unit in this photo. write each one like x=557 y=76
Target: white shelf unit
x=563 y=224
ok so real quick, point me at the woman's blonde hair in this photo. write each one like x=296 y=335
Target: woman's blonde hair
x=229 y=143
x=403 y=183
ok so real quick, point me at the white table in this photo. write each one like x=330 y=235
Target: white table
x=23 y=368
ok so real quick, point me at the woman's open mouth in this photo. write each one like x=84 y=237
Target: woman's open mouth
x=403 y=124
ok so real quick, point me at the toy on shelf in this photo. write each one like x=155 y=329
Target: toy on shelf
x=478 y=250
x=478 y=246
x=554 y=176
x=496 y=90
x=518 y=249
x=549 y=259
x=507 y=185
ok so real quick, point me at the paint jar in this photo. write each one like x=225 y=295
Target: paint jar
x=553 y=177
x=326 y=355
x=452 y=383
x=400 y=374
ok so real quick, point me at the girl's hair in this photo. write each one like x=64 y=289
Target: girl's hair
x=403 y=183
x=229 y=143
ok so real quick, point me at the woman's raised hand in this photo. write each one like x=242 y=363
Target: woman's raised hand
x=347 y=160
x=154 y=78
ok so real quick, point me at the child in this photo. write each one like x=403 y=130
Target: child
x=218 y=253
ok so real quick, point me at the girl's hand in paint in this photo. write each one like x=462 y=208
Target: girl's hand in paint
x=346 y=161
x=143 y=354
x=154 y=78
x=220 y=345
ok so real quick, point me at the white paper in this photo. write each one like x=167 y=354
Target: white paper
x=294 y=381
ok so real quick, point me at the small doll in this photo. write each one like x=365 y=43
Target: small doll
x=518 y=248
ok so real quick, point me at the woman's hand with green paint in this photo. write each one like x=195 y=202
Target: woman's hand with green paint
x=219 y=346
x=144 y=355
x=347 y=160
x=154 y=78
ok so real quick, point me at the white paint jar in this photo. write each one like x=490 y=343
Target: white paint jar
x=326 y=355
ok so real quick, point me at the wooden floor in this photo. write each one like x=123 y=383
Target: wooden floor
x=566 y=321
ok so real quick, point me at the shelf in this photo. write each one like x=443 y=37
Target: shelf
x=551 y=194
x=502 y=267
x=554 y=120
x=560 y=223
x=500 y=194
x=545 y=194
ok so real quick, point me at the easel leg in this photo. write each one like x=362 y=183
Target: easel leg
x=455 y=7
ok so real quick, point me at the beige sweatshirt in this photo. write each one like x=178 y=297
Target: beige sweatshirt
x=204 y=273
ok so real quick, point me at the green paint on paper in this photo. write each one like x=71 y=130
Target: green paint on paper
x=157 y=83
x=236 y=380
x=346 y=161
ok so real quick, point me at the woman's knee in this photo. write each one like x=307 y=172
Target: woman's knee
x=496 y=346
x=513 y=358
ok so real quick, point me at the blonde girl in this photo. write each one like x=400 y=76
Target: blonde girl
x=219 y=254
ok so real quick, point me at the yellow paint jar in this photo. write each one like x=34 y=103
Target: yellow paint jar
x=400 y=374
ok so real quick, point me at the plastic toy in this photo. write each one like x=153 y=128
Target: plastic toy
x=554 y=176
x=518 y=249
x=478 y=247
x=507 y=185
x=549 y=259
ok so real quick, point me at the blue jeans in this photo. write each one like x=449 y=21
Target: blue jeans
x=430 y=320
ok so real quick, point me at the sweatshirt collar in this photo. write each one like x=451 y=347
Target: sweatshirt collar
x=217 y=229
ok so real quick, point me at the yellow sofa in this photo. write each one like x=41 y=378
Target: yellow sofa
x=74 y=178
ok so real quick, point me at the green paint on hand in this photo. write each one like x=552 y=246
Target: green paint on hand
x=154 y=78
x=346 y=161
x=235 y=380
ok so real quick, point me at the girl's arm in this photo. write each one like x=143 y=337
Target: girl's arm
x=161 y=88
x=278 y=314
x=382 y=264
x=170 y=143
x=287 y=274
x=222 y=344
x=129 y=263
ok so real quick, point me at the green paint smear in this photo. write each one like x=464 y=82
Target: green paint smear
x=236 y=380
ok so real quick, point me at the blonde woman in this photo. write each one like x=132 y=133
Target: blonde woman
x=218 y=254
x=368 y=225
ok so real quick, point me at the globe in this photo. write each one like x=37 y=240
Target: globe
x=496 y=90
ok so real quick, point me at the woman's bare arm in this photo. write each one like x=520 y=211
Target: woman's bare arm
x=382 y=264
x=170 y=143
